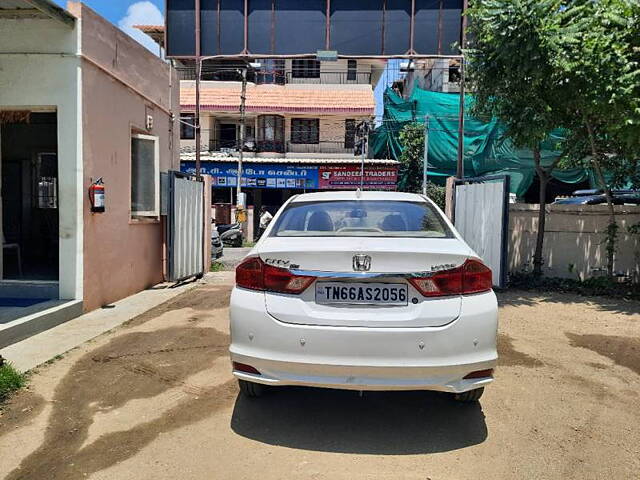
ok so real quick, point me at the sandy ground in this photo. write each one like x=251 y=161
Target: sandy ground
x=155 y=399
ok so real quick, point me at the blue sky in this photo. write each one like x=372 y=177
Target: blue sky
x=113 y=10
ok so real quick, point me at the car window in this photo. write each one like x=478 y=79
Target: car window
x=360 y=218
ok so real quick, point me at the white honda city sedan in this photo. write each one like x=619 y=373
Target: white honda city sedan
x=363 y=291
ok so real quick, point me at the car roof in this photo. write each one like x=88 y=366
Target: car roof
x=353 y=195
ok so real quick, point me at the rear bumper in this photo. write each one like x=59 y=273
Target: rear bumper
x=359 y=358
x=364 y=378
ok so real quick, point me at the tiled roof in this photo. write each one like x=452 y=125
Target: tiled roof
x=281 y=98
x=156 y=32
x=150 y=28
x=221 y=157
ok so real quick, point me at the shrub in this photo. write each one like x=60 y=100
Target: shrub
x=10 y=380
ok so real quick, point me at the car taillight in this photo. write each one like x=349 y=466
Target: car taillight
x=471 y=277
x=476 y=277
x=249 y=274
x=254 y=274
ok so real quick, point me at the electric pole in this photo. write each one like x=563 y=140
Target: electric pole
x=362 y=132
x=425 y=161
x=197 y=119
x=243 y=98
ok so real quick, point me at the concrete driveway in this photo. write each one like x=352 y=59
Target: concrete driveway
x=155 y=399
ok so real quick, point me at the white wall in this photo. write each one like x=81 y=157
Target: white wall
x=574 y=241
x=40 y=67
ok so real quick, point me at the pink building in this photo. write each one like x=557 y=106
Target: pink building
x=79 y=101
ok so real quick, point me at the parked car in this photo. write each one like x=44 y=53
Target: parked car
x=231 y=235
x=363 y=291
x=597 y=197
x=217 y=248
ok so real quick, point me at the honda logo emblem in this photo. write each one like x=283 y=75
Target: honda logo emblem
x=361 y=263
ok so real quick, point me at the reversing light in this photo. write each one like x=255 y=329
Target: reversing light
x=282 y=280
x=471 y=277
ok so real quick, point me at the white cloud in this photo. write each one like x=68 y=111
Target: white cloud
x=142 y=13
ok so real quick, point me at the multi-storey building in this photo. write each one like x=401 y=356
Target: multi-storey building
x=301 y=117
x=436 y=75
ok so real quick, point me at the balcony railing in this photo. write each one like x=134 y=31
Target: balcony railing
x=262 y=146
x=320 y=147
x=278 y=78
x=330 y=78
x=266 y=146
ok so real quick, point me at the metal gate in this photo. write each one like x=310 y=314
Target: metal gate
x=481 y=215
x=185 y=232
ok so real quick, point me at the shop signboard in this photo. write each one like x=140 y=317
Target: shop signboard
x=347 y=177
x=257 y=175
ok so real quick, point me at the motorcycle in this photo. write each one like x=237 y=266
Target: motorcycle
x=231 y=235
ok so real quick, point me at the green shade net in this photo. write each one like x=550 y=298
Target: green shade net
x=486 y=150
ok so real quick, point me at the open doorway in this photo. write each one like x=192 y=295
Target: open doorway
x=228 y=135
x=29 y=170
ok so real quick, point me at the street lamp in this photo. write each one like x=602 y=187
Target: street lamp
x=240 y=208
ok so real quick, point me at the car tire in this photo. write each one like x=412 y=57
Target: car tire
x=250 y=389
x=470 y=396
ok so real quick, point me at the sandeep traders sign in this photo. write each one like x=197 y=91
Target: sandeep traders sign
x=347 y=177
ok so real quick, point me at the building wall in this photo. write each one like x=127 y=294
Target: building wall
x=574 y=240
x=332 y=130
x=122 y=83
x=333 y=73
x=430 y=75
x=39 y=67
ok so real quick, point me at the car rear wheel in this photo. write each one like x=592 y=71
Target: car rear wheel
x=251 y=389
x=470 y=396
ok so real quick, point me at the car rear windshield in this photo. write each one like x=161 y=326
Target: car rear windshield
x=360 y=218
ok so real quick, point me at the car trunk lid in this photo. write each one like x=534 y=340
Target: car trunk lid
x=392 y=260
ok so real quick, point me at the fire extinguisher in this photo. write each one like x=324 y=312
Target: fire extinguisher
x=96 y=196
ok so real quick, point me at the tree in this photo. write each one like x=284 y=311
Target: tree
x=598 y=60
x=511 y=69
x=411 y=164
x=542 y=64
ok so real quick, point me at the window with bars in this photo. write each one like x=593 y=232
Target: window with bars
x=145 y=176
x=305 y=68
x=271 y=133
x=271 y=71
x=349 y=133
x=187 y=126
x=305 y=130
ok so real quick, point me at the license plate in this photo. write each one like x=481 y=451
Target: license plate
x=361 y=293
